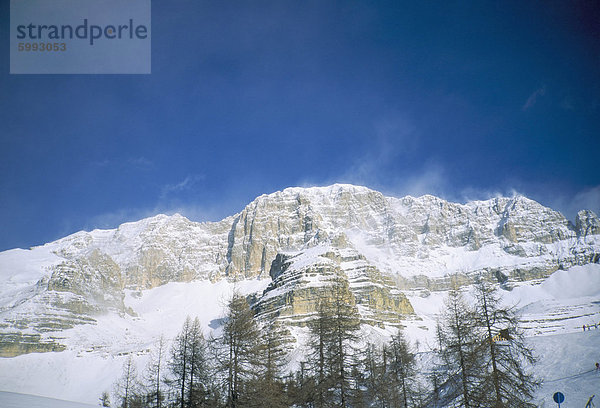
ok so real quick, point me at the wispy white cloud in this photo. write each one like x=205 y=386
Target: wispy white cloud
x=197 y=213
x=569 y=205
x=113 y=219
x=568 y=103
x=100 y=163
x=430 y=179
x=140 y=162
x=394 y=137
x=557 y=197
x=186 y=184
x=169 y=202
x=532 y=100
x=588 y=199
x=467 y=194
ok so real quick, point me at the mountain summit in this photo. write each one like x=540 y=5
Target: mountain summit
x=284 y=250
x=406 y=242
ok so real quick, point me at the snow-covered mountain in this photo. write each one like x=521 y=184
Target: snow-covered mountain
x=91 y=297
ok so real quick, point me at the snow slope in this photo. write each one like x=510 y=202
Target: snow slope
x=108 y=294
x=96 y=353
x=564 y=349
x=14 y=400
x=566 y=364
x=553 y=313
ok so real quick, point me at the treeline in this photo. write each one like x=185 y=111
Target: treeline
x=480 y=361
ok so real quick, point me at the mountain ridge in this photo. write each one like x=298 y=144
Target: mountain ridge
x=408 y=243
x=92 y=298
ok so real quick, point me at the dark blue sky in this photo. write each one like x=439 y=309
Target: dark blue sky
x=248 y=97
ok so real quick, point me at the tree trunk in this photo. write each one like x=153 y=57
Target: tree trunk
x=492 y=351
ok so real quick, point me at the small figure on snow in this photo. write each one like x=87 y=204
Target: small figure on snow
x=584 y=327
x=590 y=404
x=597 y=367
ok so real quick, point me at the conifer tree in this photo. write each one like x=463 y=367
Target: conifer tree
x=126 y=387
x=460 y=347
x=301 y=388
x=179 y=362
x=105 y=399
x=153 y=377
x=346 y=326
x=333 y=335
x=198 y=388
x=371 y=378
x=319 y=343
x=188 y=366
x=267 y=386
x=505 y=381
x=238 y=350
x=401 y=369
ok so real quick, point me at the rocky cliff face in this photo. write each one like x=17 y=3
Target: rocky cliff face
x=587 y=223
x=301 y=280
x=303 y=239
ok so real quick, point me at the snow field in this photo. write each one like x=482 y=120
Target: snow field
x=95 y=353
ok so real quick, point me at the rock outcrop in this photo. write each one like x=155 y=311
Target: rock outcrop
x=587 y=223
x=302 y=280
x=378 y=245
